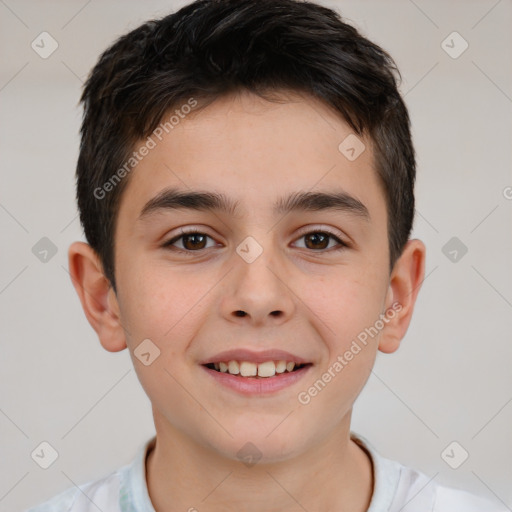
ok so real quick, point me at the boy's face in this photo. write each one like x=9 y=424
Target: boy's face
x=304 y=294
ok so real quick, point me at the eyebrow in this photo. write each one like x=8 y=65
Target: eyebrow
x=176 y=199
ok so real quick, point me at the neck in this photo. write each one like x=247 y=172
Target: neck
x=183 y=475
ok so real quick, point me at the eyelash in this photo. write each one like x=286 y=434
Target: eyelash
x=184 y=232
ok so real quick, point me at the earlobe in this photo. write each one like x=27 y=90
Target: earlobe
x=404 y=285
x=96 y=295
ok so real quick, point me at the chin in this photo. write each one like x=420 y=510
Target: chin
x=262 y=444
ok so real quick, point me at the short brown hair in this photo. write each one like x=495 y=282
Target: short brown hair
x=213 y=47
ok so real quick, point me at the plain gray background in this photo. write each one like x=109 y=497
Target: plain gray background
x=449 y=381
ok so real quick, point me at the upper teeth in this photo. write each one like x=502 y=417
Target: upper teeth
x=248 y=369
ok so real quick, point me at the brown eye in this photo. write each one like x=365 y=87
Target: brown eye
x=320 y=241
x=194 y=241
x=317 y=240
x=190 y=242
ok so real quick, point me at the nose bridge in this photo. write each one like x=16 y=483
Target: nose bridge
x=257 y=283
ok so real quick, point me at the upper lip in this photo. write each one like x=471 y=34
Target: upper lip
x=241 y=354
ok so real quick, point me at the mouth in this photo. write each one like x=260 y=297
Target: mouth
x=264 y=370
x=256 y=373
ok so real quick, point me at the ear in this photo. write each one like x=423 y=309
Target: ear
x=404 y=284
x=97 y=296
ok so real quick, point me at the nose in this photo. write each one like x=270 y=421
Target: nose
x=258 y=293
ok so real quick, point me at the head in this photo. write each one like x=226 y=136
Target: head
x=276 y=133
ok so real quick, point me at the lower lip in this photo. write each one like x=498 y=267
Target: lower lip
x=258 y=385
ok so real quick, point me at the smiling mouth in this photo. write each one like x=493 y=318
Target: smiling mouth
x=256 y=370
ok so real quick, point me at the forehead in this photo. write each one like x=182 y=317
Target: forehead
x=255 y=151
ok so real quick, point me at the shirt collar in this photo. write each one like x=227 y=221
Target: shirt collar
x=386 y=475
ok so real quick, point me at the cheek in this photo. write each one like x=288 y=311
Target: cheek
x=160 y=302
x=345 y=309
x=164 y=307
x=345 y=305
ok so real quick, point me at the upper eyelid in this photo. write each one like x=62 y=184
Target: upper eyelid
x=340 y=239
x=303 y=230
x=308 y=229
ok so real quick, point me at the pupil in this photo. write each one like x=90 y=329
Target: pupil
x=195 y=237
x=318 y=238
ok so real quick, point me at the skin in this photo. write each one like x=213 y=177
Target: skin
x=252 y=151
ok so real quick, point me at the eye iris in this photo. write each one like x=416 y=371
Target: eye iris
x=317 y=238
x=198 y=241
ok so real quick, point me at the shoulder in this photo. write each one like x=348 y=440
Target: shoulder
x=415 y=490
x=123 y=490
x=399 y=488
x=448 y=499
x=60 y=503
x=100 y=494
